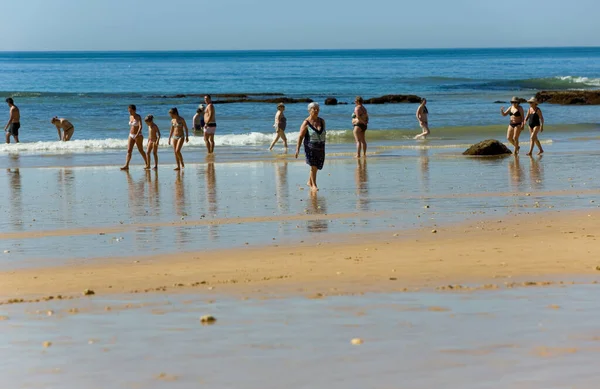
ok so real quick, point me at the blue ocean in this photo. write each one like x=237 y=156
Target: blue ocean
x=463 y=88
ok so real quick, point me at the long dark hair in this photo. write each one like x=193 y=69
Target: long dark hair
x=174 y=111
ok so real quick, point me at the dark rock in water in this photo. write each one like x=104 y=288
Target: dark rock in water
x=488 y=147
x=331 y=101
x=571 y=97
x=500 y=102
x=394 y=99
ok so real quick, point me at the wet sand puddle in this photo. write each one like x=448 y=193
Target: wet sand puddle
x=536 y=338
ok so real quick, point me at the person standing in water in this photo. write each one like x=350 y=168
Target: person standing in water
x=210 y=118
x=280 y=125
x=516 y=122
x=535 y=119
x=153 y=141
x=178 y=124
x=313 y=136
x=360 y=121
x=198 y=121
x=423 y=118
x=67 y=128
x=136 y=138
x=14 y=121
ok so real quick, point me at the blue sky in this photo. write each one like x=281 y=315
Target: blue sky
x=292 y=24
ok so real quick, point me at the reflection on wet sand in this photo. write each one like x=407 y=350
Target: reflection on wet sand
x=15 y=201
x=182 y=235
x=424 y=169
x=211 y=198
x=136 y=190
x=281 y=186
x=361 y=179
x=153 y=192
x=66 y=179
x=515 y=171
x=536 y=172
x=317 y=206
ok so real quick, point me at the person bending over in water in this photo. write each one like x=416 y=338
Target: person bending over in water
x=423 y=118
x=67 y=128
x=178 y=124
x=313 y=135
x=153 y=141
x=135 y=137
x=198 y=121
x=516 y=122
x=280 y=125
x=14 y=121
x=360 y=121
x=535 y=119
x=210 y=127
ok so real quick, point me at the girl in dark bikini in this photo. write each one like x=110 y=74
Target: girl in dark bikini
x=516 y=122
x=153 y=140
x=178 y=124
x=535 y=120
x=360 y=121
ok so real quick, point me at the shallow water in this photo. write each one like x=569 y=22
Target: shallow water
x=542 y=338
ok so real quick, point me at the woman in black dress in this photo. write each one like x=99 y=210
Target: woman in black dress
x=312 y=135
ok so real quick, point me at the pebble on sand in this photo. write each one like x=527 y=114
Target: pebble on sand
x=357 y=341
x=6 y=251
x=50 y=313
x=47 y=344
x=598 y=268
x=88 y=292
x=434 y=231
x=208 y=319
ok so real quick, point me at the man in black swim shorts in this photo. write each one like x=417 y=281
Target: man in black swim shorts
x=14 y=121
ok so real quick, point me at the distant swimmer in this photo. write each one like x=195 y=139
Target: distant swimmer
x=515 y=127
x=136 y=138
x=423 y=118
x=198 y=121
x=64 y=128
x=280 y=125
x=535 y=119
x=313 y=136
x=178 y=124
x=210 y=118
x=14 y=121
x=360 y=121
x=153 y=141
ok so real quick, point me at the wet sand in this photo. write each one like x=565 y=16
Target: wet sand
x=556 y=246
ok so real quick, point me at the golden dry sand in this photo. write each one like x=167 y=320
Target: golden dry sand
x=492 y=253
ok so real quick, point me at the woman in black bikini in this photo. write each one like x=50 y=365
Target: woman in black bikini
x=312 y=134
x=516 y=122
x=360 y=121
x=535 y=119
x=178 y=124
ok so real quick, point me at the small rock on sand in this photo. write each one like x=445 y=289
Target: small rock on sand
x=208 y=319
x=50 y=313
x=598 y=268
x=88 y=292
x=434 y=231
x=357 y=341
x=47 y=344
x=6 y=251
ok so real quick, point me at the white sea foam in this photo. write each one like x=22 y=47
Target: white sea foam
x=98 y=145
x=580 y=80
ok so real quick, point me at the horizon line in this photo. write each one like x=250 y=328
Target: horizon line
x=296 y=50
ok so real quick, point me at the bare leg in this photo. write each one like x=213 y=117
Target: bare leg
x=139 y=141
x=274 y=142
x=510 y=137
x=211 y=139
x=517 y=135
x=129 y=152
x=313 y=178
x=207 y=142
x=148 y=151
x=356 y=133
x=284 y=138
x=533 y=139
x=155 y=157
x=176 y=155
x=7 y=138
x=178 y=151
x=363 y=140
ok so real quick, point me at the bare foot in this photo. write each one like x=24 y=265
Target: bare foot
x=177 y=168
x=314 y=189
x=528 y=154
x=125 y=168
x=147 y=168
x=308 y=184
x=155 y=168
x=541 y=152
x=357 y=156
x=517 y=150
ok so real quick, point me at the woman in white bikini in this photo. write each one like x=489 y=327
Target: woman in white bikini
x=66 y=126
x=178 y=124
x=135 y=137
